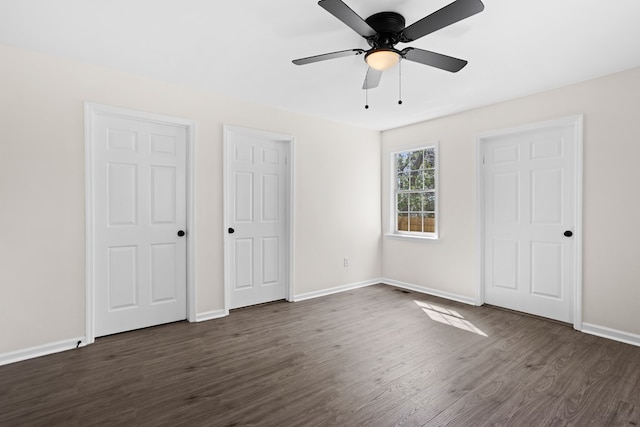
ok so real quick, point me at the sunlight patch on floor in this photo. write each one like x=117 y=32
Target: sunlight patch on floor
x=448 y=317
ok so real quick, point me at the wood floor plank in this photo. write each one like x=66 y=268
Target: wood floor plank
x=376 y=356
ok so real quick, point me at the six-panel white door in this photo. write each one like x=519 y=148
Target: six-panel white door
x=140 y=206
x=529 y=202
x=257 y=243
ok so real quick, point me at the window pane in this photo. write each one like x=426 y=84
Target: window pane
x=403 y=222
x=415 y=222
x=429 y=158
x=417 y=180
x=403 y=203
x=402 y=162
x=429 y=223
x=415 y=202
x=403 y=181
x=416 y=159
x=430 y=180
x=430 y=202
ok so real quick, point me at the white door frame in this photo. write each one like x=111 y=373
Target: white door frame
x=92 y=110
x=481 y=140
x=289 y=151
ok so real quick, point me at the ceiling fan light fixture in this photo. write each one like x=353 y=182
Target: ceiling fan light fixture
x=382 y=59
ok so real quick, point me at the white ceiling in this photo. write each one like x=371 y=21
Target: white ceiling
x=244 y=48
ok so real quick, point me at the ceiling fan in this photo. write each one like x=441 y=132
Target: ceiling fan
x=384 y=30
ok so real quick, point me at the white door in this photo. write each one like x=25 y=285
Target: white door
x=139 y=211
x=529 y=220
x=257 y=239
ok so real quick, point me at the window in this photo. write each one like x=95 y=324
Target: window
x=414 y=192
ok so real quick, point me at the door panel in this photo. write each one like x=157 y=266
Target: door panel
x=546 y=197
x=121 y=189
x=243 y=197
x=270 y=260
x=120 y=139
x=140 y=204
x=529 y=199
x=163 y=272
x=505 y=267
x=257 y=251
x=546 y=269
x=506 y=187
x=123 y=277
x=243 y=263
x=270 y=198
x=163 y=195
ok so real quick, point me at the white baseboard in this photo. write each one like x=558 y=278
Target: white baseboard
x=41 y=350
x=428 y=291
x=612 y=334
x=337 y=289
x=210 y=315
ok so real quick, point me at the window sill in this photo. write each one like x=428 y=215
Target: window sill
x=410 y=237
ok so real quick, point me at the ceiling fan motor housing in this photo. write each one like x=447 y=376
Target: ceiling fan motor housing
x=388 y=26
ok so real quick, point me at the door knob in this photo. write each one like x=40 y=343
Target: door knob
x=568 y=233
x=181 y=233
x=231 y=230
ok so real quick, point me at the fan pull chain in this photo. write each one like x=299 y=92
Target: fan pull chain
x=366 y=98
x=400 y=82
x=366 y=88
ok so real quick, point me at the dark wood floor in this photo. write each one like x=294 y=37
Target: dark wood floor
x=376 y=356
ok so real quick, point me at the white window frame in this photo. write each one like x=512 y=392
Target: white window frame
x=393 y=217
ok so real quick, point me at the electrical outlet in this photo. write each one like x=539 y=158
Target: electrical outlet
x=346 y=262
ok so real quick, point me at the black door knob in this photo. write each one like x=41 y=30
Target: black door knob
x=568 y=233
x=231 y=230
x=181 y=233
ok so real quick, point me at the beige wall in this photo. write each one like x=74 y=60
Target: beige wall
x=42 y=287
x=611 y=267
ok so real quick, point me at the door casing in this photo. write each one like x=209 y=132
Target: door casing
x=289 y=150
x=92 y=110
x=577 y=123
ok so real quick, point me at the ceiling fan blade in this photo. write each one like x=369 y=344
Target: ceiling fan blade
x=344 y=13
x=433 y=59
x=372 y=79
x=450 y=14
x=326 y=56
